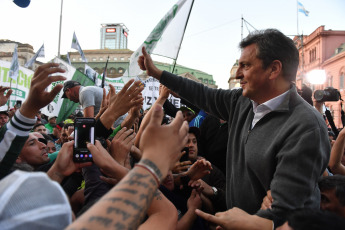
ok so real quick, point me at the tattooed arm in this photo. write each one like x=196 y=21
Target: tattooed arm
x=162 y=214
x=125 y=206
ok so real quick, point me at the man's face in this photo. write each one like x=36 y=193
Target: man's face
x=41 y=129
x=34 y=152
x=72 y=95
x=56 y=132
x=51 y=147
x=330 y=202
x=192 y=145
x=188 y=115
x=253 y=78
x=3 y=119
x=52 y=120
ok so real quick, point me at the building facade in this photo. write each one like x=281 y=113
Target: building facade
x=323 y=50
x=114 y=36
x=25 y=52
x=233 y=82
x=119 y=63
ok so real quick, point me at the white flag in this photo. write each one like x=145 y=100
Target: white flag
x=14 y=70
x=39 y=53
x=166 y=37
x=68 y=59
x=75 y=45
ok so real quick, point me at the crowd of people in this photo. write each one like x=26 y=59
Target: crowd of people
x=259 y=157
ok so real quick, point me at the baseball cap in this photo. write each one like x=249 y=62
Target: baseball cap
x=4 y=112
x=30 y=200
x=50 y=117
x=67 y=85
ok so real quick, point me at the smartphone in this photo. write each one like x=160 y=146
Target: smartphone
x=84 y=132
x=185 y=157
x=18 y=104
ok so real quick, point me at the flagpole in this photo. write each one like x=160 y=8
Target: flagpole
x=178 y=51
x=104 y=73
x=60 y=29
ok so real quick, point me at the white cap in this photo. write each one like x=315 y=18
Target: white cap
x=30 y=200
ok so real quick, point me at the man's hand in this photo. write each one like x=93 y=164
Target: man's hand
x=108 y=165
x=162 y=144
x=145 y=63
x=121 y=102
x=104 y=104
x=4 y=98
x=181 y=167
x=164 y=92
x=64 y=164
x=267 y=201
x=121 y=145
x=236 y=218
x=38 y=97
x=199 y=169
x=194 y=201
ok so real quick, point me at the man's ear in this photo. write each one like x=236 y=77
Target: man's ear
x=19 y=160
x=276 y=69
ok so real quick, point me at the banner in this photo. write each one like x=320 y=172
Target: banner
x=20 y=87
x=151 y=93
x=169 y=47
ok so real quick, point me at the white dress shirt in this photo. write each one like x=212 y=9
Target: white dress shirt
x=261 y=110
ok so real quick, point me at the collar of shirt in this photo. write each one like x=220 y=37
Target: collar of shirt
x=261 y=110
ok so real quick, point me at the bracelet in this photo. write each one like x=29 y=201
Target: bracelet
x=148 y=168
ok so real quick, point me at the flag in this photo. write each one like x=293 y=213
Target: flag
x=75 y=45
x=14 y=69
x=39 y=53
x=166 y=37
x=68 y=59
x=301 y=9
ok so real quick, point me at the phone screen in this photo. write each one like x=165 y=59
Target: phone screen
x=84 y=132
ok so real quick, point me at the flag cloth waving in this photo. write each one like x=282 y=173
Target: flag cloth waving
x=166 y=37
x=39 y=53
x=302 y=9
x=14 y=70
x=75 y=45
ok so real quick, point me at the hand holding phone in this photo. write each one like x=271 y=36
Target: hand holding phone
x=84 y=132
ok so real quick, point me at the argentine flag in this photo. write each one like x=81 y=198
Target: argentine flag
x=302 y=9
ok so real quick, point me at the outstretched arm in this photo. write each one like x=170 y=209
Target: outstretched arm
x=337 y=153
x=125 y=206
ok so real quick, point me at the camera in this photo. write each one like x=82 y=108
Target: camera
x=328 y=94
x=84 y=132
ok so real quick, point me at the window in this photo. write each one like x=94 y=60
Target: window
x=73 y=59
x=206 y=81
x=201 y=79
x=120 y=70
x=115 y=59
x=80 y=59
x=122 y=59
x=341 y=81
x=101 y=59
x=94 y=59
x=330 y=81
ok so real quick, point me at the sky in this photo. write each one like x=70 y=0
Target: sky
x=211 y=39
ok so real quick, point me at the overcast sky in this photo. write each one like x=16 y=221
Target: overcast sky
x=212 y=36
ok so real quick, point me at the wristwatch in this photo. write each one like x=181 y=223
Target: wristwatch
x=215 y=191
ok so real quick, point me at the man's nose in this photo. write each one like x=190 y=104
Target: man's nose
x=239 y=74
